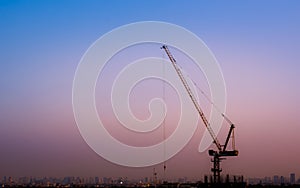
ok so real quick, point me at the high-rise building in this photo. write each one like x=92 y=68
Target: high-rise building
x=267 y=181
x=292 y=178
x=276 y=180
x=282 y=180
x=97 y=180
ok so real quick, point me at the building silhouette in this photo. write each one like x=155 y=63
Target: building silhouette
x=276 y=180
x=292 y=178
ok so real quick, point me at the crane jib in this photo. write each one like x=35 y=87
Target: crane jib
x=189 y=91
x=221 y=148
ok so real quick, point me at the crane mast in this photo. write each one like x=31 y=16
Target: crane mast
x=217 y=155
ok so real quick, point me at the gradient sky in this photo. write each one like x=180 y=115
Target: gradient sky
x=41 y=43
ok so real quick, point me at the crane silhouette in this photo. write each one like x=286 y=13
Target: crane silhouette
x=221 y=152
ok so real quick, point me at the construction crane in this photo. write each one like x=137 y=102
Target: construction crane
x=221 y=151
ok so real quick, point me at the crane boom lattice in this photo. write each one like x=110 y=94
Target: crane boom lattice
x=222 y=149
x=190 y=93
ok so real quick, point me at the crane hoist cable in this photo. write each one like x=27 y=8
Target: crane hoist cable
x=164 y=121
